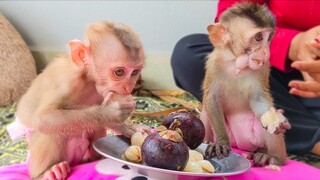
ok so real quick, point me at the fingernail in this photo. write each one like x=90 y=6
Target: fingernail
x=292 y=85
x=295 y=65
x=293 y=92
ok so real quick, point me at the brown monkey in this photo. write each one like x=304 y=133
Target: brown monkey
x=236 y=85
x=72 y=102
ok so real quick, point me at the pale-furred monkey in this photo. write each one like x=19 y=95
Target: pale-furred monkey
x=236 y=86
x=72 y=102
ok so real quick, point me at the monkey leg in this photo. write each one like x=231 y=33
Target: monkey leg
x=57 y=171
x=45 y=152
x=52 y=155
x=274 y=151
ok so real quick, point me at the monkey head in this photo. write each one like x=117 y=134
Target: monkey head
x=245 y=30
x=111 y=56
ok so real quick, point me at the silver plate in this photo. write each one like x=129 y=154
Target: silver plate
x=114 y=146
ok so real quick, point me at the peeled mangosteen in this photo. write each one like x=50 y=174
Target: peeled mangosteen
x=165 y=149
x=192 y=127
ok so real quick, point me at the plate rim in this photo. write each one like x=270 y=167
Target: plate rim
x=161 y=170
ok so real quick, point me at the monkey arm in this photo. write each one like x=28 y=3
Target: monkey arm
x=71 y=121
x=214 y=113
x=216 y=118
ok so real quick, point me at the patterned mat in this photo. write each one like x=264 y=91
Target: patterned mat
x=152 y=107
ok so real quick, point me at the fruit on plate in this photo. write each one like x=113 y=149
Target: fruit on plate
x=165 y=148
x=191 y=126
x=133 y=154
x=138 y=137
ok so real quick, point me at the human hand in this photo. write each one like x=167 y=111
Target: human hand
x=305 y=56
x=305 y=46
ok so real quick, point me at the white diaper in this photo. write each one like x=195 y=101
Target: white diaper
x=17 y=130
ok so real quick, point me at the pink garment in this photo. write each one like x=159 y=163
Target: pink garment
x=292 y=170
x=237 y=129
x=77 y=145
x=84 y=171
x=17 y=130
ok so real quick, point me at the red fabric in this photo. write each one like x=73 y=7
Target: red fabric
x=292 y=18
x=83 y=171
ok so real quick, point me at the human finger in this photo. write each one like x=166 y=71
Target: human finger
x=298 y=92
x=311 y=86
x=307 y=66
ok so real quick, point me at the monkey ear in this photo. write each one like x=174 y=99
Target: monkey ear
x=78 y=52
x=218 y=35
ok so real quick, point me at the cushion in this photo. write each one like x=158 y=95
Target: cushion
x=17 y=65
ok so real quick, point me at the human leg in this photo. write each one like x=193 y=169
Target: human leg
x=188 y=62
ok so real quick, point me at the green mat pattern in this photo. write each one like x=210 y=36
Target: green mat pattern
x=150 y=109
x=11 y=152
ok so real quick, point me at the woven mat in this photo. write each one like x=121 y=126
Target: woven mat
x=152 y=107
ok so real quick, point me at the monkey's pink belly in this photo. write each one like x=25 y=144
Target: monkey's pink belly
x=77 y=148
x=245 y=131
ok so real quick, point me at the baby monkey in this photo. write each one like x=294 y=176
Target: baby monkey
x=72 y=102
x=236 y=86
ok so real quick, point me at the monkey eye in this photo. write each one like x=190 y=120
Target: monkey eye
x=135 y=72
x=259 y=37
x=119 y=72
x=270 y=37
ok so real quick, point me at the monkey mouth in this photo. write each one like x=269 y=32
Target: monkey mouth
x=258 y=62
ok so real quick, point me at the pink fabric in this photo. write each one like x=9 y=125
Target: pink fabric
x=83 y=171
x=17 y=130
x=292 y=170
x=243 y=127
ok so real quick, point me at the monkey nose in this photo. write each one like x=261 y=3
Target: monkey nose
x=266 y=52
x=127 y=89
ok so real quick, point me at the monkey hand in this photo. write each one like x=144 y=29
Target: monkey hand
x=282 y=127
x=128 y=128
x=217 y=149
x=116 y=109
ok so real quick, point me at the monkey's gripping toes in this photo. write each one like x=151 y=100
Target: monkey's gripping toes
x=217 y=149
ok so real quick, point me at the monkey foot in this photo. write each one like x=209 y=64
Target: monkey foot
x=58 y=171
x=218 y=150
x=262 y=159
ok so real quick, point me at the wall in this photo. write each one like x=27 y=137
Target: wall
x=47 y=26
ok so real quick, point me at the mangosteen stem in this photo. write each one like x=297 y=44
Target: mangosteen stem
x=174 y=124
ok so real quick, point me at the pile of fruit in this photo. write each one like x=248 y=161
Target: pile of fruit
x=172 y=145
